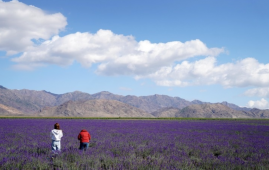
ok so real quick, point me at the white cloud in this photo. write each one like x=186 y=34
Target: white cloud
x=85 y=48
x=21 y=23
x=246 y=72
x=260 y=104
x=260 y=92
x=116 y=54
x=149 y=57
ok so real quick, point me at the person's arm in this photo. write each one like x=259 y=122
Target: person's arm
x=79 y=136
x=89 y=136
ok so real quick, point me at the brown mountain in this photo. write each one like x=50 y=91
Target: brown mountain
x=198 y=102
x=161 y=101
x=11 y=99
x=94 y=108
x=107 y=95
x=260 y=113
x=211 y=110
x=235 y=107
x=6 y=110
x=217 y=110
x=73 y=96
x=166 y=112
x=230 y=105
x=147 y=103
x=31 y=101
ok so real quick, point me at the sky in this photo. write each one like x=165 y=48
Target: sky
x=205 y=50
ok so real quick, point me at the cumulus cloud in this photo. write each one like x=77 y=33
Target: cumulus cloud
x=246 y=72
x=260 y=104
x=149 y=57
x=115 y=54
x=118 y=54
x=85 y=48
x=21 y=23
x=260 y=92
x=165 y=63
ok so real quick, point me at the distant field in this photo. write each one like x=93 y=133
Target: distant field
x=131 y=118
x=137 y=144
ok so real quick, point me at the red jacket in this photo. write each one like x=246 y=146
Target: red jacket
x=84 y=136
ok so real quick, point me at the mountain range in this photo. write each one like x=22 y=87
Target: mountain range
x=105 y=104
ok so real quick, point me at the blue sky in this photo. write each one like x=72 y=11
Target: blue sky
x=208 y=50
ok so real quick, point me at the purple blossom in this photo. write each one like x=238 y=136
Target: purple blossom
x=137 y=144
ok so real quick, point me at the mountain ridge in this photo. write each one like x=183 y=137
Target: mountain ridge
x=31 y=102
x=94 y=108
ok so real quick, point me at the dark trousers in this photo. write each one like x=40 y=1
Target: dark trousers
x=84 y=146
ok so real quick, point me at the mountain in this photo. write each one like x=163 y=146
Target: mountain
x=94 y=108
x=198 y=102
x=209 y=110
x=107 y=95
x=147 y=103
x=2 y=87
x=166 y=112
x=156 y=102
x=31 y=102
x=235 y=107
x=73 y=96
x=12 y=99
x=5 y=110
x=230 y=105
x=260 y=113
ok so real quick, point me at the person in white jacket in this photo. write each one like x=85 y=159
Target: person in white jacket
x=56 y=134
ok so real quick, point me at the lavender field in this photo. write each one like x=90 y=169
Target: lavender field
x=137 y=144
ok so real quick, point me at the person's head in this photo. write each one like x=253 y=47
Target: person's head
x=56 y=126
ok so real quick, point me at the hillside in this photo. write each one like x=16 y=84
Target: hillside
x=31 y=101
x=166 y=112
x=94 y=108
x=102 y=104
x=5 y=110
x=217 y=110
x=260 y=113
x=147 y=103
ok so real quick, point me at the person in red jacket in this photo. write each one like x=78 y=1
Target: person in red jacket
x=84 y=138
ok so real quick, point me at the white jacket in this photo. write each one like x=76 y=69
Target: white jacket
x=56 y=134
